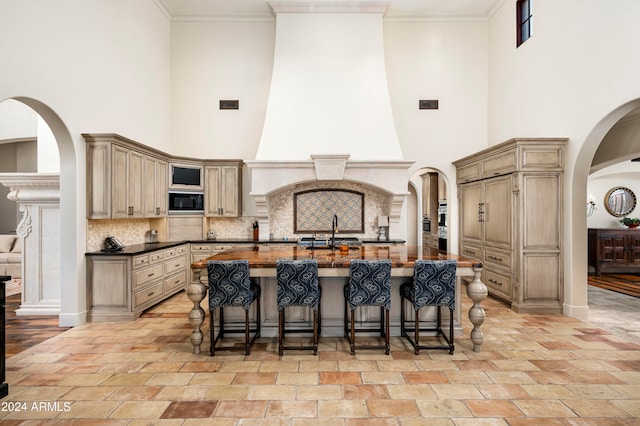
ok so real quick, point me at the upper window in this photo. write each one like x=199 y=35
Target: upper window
x=523 y=12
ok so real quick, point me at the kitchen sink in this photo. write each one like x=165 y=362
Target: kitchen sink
x=325 y=242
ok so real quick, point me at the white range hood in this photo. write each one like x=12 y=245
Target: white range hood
x=329 y=114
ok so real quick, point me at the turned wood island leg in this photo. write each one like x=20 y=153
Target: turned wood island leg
x=196 y=292
x=477 y=291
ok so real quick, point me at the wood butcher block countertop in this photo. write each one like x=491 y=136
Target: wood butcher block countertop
x=400 y=256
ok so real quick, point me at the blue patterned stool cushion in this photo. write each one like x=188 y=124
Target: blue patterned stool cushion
x=434 y=283
x=297 y=283
x=229 y=284
x=369 y=283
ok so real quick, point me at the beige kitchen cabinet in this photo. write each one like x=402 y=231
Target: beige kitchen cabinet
x=124 y=179
x=510 y=215
x=120 y=286
x=155 y=196
x=127 y=182
x=223 y=189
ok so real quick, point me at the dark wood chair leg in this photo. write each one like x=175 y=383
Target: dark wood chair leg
x=316 y=314
x=212 y=334
x=221 y=330
x=353 y=332
x=280 y=332
x=386 y=332
x=416 y=335
x=247 y=338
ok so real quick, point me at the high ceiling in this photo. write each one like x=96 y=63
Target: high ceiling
x=396 y=8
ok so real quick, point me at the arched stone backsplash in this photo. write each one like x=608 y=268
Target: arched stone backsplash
x=280 y=207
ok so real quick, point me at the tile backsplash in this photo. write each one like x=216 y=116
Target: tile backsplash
x=132 y=231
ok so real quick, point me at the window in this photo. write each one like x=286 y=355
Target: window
x=523 y=12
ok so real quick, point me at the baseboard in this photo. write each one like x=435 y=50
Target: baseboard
x=73 y=320
x=578 y=312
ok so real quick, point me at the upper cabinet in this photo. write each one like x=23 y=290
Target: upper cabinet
x=126 y=179
x=223 y=182
x=510 y=215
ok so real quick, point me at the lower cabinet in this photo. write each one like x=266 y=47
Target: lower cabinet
x=614 y=250
x=121 y=287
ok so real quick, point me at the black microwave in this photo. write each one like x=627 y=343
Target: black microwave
x=183 y=202
x=186 y=177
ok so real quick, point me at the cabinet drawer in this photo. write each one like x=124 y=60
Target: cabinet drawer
x=175 y=264
x=169 y=253
x=201 y=248
x=180 y=250
x=148 y=294
x=175 y=282
x=497 y=257
x=498 y=283
x=469 y=172
x=146 y=275
x=198 y=257
x=474 y=252
x=500 y=164
x=140 y=261
x=156 y=256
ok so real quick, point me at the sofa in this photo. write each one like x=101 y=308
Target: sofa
x=11 y=256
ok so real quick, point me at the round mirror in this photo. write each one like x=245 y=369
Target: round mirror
x=620 y=201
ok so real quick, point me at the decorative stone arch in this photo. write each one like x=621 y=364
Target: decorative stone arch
x=72 y=293
x=575 y=291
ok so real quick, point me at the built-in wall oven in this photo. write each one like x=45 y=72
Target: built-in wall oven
x=442 y=226
x=183 y=202
x=426 y=224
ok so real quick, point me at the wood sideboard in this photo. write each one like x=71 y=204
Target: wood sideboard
x=614 y=250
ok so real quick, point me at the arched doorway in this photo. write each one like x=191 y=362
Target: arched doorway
x=430 y=193
x=576 y=270
x=72 y=304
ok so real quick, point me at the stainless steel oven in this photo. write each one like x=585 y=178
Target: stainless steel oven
x=182 y=202
x=426 y=224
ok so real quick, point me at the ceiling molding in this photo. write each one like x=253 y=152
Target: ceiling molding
x=329 y=7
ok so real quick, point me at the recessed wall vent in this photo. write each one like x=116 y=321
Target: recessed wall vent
x=229 y=104
x=428 y=104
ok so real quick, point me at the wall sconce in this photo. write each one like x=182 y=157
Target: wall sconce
x=591 y=205
x=383 y=224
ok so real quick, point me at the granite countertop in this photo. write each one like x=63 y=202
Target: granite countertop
x=135 y=249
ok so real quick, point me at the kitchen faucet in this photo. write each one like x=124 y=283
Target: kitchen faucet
x=334 y=230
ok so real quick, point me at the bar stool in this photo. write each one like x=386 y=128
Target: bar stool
x=433 y=284
x=230 y=286
x=298 y=286
x=369 y=285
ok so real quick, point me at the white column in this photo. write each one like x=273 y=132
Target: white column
x=38 y=198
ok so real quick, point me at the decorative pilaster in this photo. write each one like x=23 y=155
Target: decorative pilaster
x=38 y=198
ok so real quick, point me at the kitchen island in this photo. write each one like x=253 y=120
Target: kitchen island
x=333 y=273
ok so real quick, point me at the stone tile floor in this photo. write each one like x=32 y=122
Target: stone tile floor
x=531 y=370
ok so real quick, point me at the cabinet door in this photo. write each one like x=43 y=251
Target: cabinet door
x=213 y=184
x=162 y=185
x=149 y=189
x=136 y=183
x=98 y=181
x=498 y=211
x=470 y=200
x=119 y=182
x=230 y=191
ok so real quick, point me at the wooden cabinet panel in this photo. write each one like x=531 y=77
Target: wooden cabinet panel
x=99 y=180
x=470 y=203
x=120 y=287
x=223 y=185
x=119 y=182
x=614 y=250
x=511 y=217
x=497 y=211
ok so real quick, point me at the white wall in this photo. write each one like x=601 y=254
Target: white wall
x=17 y=120
x=575 y=77
x=48 y=157
x=87 y=66
x=625 y=174
x=213 y=61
